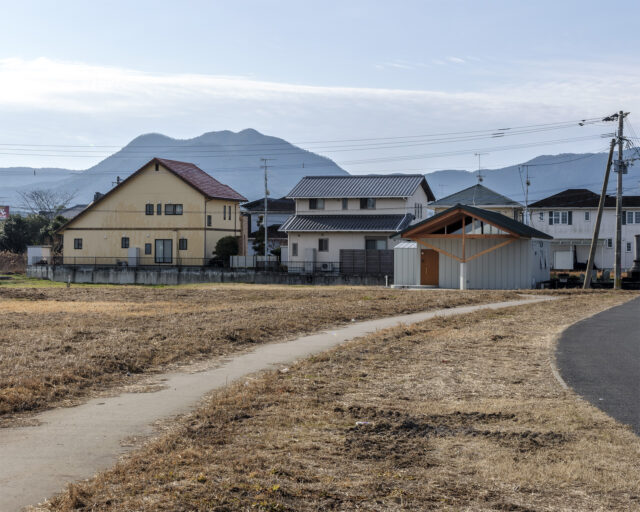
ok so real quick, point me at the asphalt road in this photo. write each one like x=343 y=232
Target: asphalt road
x=600 y=359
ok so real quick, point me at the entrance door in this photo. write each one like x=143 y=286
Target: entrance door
x=164 y=253
x=429 y=267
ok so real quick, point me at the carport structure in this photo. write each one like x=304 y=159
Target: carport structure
x=499 y=251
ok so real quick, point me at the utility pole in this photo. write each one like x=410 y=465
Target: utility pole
x=596 y=229
x=620 y=168
x=526 y=196
x=265 y=166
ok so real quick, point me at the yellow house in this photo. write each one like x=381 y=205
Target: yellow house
x=165 y=213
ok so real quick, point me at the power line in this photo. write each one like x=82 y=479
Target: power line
x=571 y=123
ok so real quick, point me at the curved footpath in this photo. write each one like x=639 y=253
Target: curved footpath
x=600 y=359
x=74 y=443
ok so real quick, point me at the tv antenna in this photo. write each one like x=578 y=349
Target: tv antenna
x=480 y=176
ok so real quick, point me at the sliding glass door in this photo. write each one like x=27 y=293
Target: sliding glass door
x=164 y=251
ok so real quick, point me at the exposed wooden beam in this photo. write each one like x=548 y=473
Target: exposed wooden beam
x=476 y=236
x=490 y=249
x=438 y=250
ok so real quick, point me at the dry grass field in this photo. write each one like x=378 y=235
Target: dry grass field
x=59 y=344
x=451 y=414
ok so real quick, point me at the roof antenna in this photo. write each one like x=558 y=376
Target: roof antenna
x=480 y=176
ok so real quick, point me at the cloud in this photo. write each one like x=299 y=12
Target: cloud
x=456 y=60
x=45 y=100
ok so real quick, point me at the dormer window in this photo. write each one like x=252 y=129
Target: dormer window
x=367 y=203
x=316 y=204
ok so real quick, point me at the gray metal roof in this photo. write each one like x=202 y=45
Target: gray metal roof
x=380 y=185
x=476 y=195
x=387 y=223
x=495 y=218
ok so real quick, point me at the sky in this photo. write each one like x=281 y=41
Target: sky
x=378 y=86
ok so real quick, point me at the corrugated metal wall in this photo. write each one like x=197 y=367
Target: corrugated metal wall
x=506 y=268
x=406 y=264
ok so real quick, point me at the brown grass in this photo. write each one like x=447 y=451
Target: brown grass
x=58 y=344
x=12 y=262
x=450 y=414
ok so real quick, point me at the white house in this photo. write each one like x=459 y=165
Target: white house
x=569 y=217
x=345 y=222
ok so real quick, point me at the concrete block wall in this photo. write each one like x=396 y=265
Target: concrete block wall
x=192 y=275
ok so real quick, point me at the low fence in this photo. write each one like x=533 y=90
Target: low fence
x=257 y=264
x=191 y=275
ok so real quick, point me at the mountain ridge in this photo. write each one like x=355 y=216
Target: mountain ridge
x=233 y=158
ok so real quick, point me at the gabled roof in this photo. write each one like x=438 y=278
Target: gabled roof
x=198 y=179
x=188 y=172
x=351 y=223
x=497 y=219
x=476 y=195
x=277 y=205
x=372 y=185
x=582 y=198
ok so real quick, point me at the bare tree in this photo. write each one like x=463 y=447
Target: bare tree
x=46 y=203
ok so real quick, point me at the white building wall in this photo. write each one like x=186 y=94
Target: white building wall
x=406 y=264
x=582 y=229
x=337 y=241
x=515 y=266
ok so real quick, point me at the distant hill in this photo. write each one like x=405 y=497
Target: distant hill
x=548 y=174
x=232 y=158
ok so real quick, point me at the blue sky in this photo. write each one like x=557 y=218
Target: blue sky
x=101 y=73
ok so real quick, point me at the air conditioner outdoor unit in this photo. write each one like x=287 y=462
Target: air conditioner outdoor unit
x=326 y=267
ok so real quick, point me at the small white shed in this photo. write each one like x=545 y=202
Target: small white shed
x=469 y=248
x=38 y=253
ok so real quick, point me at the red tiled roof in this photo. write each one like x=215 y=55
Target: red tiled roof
x=200 y=180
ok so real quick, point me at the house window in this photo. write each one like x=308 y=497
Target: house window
x=77 y=243
x=375 y=244
x=637 y=217
x=147 y=248
x=417 y=210
x=182 y=244
x=159 y=209
x=149 y=209
x=316 y=204
x=367 y=203
x=294 y=250
x=209 y=220
x=609 y=243
x=561 y=217
x=173 y=209
x=164 y=251
x=628 y=246
x=323 y=244
x=345 y=204
x=229 y=212
x=541 y=216
x=124 y=242
x=630 y=217
x=587 y=216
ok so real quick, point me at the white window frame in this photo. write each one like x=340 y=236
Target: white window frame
x=541 y=216
x=587 y=216
x=294 y=249
x=323 y=242
x=628 y=246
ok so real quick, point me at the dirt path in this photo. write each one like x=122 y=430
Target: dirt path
x=74 y=443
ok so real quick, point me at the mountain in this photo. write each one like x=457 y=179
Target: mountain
x=232 y=158
x=548 y=174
